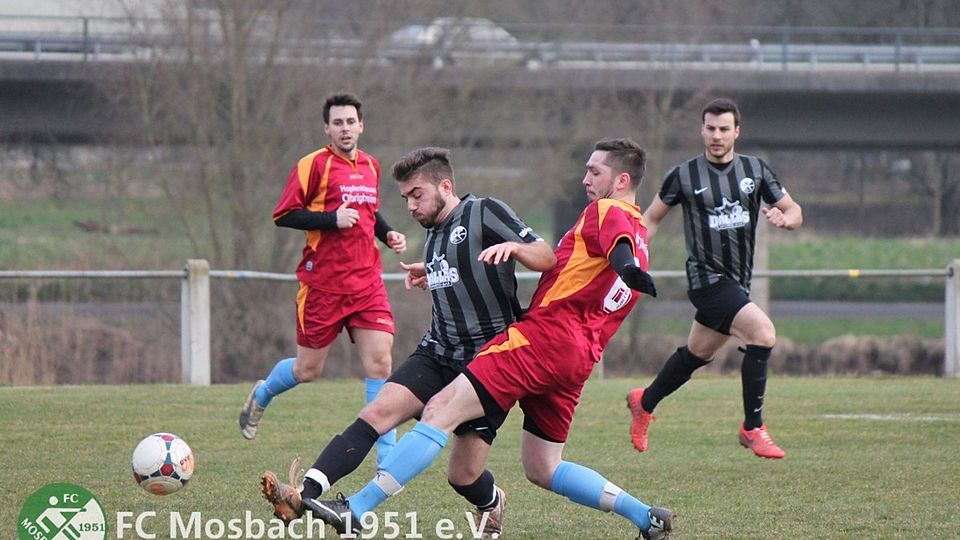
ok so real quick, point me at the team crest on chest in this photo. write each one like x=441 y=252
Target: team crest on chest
x=747 y=185
x=440 y=274
x=729 y=215
x=458 y=234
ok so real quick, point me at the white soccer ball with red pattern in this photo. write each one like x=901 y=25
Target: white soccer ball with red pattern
x=162 y=463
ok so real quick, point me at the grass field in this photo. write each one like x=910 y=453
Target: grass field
x=866 y=458
x=814 y=331
x=40 y=234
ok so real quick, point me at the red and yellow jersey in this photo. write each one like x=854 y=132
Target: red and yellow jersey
x=580 y=303
x=336 y=260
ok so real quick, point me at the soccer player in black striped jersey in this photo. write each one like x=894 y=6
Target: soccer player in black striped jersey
x=470 y=253
x=722 y=195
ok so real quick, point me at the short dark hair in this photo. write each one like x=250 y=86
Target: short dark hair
x=341 y=100
x=430 y=161
x=720 y=106
x=625 y=156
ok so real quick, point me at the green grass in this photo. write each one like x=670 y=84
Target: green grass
x=844 y=477
x=802 y=250
x=825 y=251
x=41 y=235
x=819 y=330
x=813 y=331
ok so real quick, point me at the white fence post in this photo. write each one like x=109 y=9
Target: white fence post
x=951 y=330
x=195 y=324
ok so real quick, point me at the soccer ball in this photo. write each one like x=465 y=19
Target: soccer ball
x=162 y=463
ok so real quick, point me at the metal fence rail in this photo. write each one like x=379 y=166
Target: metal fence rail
x=195 y=300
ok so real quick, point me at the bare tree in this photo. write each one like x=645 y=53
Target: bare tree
x=938 y=175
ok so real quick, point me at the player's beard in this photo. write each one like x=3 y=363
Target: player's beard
x=720 y=151
x=606 y=194
x=346 y=149
x=428 y=222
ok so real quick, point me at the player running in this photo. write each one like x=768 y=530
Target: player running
x=470 y=254
x=333 y=195
x=721 y=193
x=543 y=360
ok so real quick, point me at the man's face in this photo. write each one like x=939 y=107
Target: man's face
x=719 y=134
x=344 y=128
x=599 y=179
x=425 y=201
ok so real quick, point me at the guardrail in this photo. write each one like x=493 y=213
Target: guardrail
x=195 y=301
x=541 y=45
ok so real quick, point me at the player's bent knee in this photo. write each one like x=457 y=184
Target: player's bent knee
x=538 y=474
x=463 y=476
x=766 y=337
x=703 y=355
x=305 y=374
x=380 y=416
x=379 y=367
x=432 y=411
x=538 y=479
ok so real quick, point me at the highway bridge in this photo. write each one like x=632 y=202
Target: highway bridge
x=887 y=88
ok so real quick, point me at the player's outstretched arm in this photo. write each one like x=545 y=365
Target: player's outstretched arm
x=537 y=256
x=622 y=260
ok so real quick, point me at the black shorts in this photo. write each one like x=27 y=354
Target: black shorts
x=425 y=374
x=718 y=304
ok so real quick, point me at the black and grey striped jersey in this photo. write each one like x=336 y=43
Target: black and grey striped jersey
x=472 y=301
x=720 y=210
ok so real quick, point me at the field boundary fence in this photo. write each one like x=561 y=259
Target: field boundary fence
x=195 y=306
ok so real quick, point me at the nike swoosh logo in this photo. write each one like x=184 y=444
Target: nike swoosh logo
x=699 y=191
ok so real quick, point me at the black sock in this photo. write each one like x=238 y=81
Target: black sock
x=676 y=371
x=342 y=455
x=753 y=373
x=481 y=493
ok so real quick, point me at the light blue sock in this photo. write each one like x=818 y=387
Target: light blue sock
x=279 y=381
x=631 y=508
x=585 y=486
x=388 y=440
x=414 y=452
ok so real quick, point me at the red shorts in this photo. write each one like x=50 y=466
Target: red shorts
x=322 y=315
x=547 y=381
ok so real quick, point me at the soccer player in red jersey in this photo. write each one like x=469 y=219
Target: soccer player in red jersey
x=543 y=360
x=332 y=195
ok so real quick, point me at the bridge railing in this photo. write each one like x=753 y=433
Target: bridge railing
x=195 y=301
x=537 y=46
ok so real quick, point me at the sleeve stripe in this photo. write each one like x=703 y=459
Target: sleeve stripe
x=304 y=166
x=616 y=240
